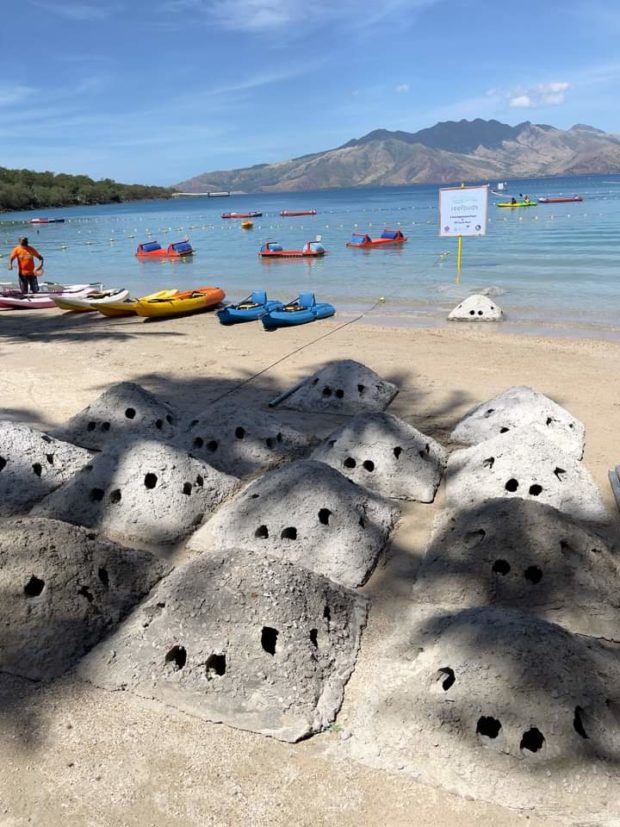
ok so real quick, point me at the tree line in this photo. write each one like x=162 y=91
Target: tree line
x=23 y=189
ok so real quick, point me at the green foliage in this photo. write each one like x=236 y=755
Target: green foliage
x=23 y=189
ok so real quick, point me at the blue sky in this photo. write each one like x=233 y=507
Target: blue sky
x=160 y=91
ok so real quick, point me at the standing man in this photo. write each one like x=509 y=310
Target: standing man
x=25 y=256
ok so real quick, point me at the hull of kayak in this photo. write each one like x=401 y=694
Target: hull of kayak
x=89 y=302
x=295 y=213
x=518 y=204
x=47 y=220
x=291 y=318
x=574 y=199
x=241 y=214
x=181 y=304
x=235 y=314
x=127 y=307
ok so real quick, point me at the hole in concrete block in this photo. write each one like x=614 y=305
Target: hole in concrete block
x=480 y=312
x=200 y=480
x=169 y=419
x=472 y=312
x=324 y=515
x=91 y=426
x=361 y=389
x=34 y=587
x=559 y=472
x=535 y=490
x=489 y=462
x=115 y=496
x=327 y=391
x=105 y=427
x=130 y=413
x=474 y=538
x=512 y=485
x=488 y=726
x=193 y=423
x=504 y=430
x=215 y=665
x=254 y=496
x=500 y=567
x=2 y=463
x=50 y=458
x=349 y=462
x=315 y=381
x=212 y=445
x=398 y=451
x=239 y=432
x=198 y=442
x=176 y=657
x=96 y=494
x=533 y=574
x=289 y=533
x=488 y=413
x=270 y=442
x=331 y=443
x=150 y=480
x=340 y=393
x=46 y=438
x=362 y=522
x=368 y=465
x=578 y=722
x=262 y=532
x=327 y=613
x=532 y=740
x=269 y=639
x=187 y=488
x=159 y=424
x=447 y=677
x=37 y=468
x=86 y=592
x=104 y=577
x=314 y=638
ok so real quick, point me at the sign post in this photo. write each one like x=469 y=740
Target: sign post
x=462 y=212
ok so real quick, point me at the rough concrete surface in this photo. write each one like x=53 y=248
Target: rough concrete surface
x=386 y=455
x=309 y=514
x=241 y=441
x=523 y=463
x=146 y=492
x=32 y=464
x=523 y=555
x=124 y=409
x=257 y=643
x=63 y=588
x=515 y=408
x=476 y=308
x=344 y=387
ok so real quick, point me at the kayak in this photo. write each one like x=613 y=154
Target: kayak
x=241 y=214
x=568 y=200
x=516 y=204
x=294 y=213
x=44 y=299
x=272 y=249
x=249 y=310
x=301 y=310
x=88 y=302
x=188 y=301
x=387 y=237
x=47 y=220
x=127 y=307
x=153 y=249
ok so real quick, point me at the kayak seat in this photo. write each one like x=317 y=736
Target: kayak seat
x=258 y=297
x=306 y=300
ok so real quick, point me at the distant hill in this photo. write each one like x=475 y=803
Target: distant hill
x=447 y=152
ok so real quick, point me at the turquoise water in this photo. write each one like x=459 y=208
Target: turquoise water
x=552 y=268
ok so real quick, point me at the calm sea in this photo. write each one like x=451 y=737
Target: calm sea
x=552 y=268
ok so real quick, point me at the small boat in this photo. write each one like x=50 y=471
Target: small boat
x=301 y=310
x=250 y=309
x=247 y=224
x=311 y=249
x=127 y=307
x=529 y=203
x=387 y=237
x=44 y=299
x=153 y=249
x=47 y=220
x=182 y=303
x=241 y=214
x=568 y=200
x=88 y=302
x=294 y=213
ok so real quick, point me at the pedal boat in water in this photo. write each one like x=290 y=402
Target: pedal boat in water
x=273 y=249
x=89 y=302
x=301 y=310
x=182 y=303
x=250 y=309
x=153 y=249
x=387 y=237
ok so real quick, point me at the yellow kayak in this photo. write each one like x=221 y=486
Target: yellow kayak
x=128 y=307
x=190 y=301
x=517 y=204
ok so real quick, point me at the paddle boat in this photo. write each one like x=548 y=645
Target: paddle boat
x=44 y=299
x=387 y=237
x=88 y=302
x=181 y=303
x=273 y=249
x=250 y=309
x=294 y=213
x=153 y=249
x=241 y=214
x=47 y=220
x=529 y=203
x=301 y=310
x=127 y=307
x=568 y=200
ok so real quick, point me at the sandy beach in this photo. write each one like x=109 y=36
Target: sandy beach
x=74 y=754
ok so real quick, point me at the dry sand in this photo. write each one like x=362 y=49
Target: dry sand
x=72 y=754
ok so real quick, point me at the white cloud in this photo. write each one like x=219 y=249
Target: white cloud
x=14 y=94
x=521 y=102
x=544 y=94
x=79 y=10
x=403 y=88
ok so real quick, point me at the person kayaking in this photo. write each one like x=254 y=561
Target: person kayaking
x=513 y=200
x=28 y=273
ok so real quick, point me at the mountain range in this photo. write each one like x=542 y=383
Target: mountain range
x=451 y=151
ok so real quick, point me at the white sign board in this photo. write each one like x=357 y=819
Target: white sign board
x=463 y=211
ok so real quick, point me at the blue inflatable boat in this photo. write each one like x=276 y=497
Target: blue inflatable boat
x=250 y=309
x=301 y=310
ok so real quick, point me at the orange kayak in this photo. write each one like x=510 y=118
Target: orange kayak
x=187 y=301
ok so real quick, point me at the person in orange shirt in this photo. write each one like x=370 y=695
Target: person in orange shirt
x=28 y=273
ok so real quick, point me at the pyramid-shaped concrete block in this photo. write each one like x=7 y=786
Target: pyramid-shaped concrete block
x=256 y=643
x=33 y=464
x=476 y=308
x=240 y=440
x=386 y=455
x=486 y=701
x=63 y=589
x=524 y=555
x=309 y=514
x=146 y=492
x=523 y=463
x=516 y=407
x=342 y=387
x=124 y=410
